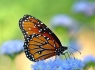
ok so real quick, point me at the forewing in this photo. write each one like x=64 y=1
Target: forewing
x=30 y=25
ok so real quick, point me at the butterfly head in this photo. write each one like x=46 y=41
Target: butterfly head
x=61 y=50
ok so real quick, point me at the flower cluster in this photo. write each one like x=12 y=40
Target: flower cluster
x=85 y=7
x=12 y=47
x=89 y=59
x=89 y=62
x=63 y=20
x=58 y=64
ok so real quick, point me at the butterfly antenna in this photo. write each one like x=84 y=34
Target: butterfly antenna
x=76 y=50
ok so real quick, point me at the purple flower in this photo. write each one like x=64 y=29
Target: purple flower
x=85 y=7
x=62 y=20
x=88 y=59
x=66 y=21
x=58 y=64
x=89 y=62
x=12 y=47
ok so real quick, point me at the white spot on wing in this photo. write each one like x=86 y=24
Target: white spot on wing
x=25 y=35
x=41 y=23
x=40 y=30
x=47 y=38
x=29 y=28
x=44 y=29
x=29 y=17
x=49 y=32
x=38 y=25
x=39 y=35
x=24 y=43
x=27 y=32
x=25 y=20
x=36 y=36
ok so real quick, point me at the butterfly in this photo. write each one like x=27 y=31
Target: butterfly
x=40 y=42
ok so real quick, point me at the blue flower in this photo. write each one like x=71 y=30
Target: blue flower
x=89 y=62
x=62 y=20
x=85 y=7
x=65 y=21
x=89 y=59
x=12 y=47
x=58 y=64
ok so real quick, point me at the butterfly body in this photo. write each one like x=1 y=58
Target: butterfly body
x=40 y=42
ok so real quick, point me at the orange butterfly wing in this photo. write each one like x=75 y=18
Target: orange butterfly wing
x=40 y=42
x=30 y=25
x=38 y=47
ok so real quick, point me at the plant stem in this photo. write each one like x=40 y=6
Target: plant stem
x=13 y=65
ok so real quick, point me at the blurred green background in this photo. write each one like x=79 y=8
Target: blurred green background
x=12 y=10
